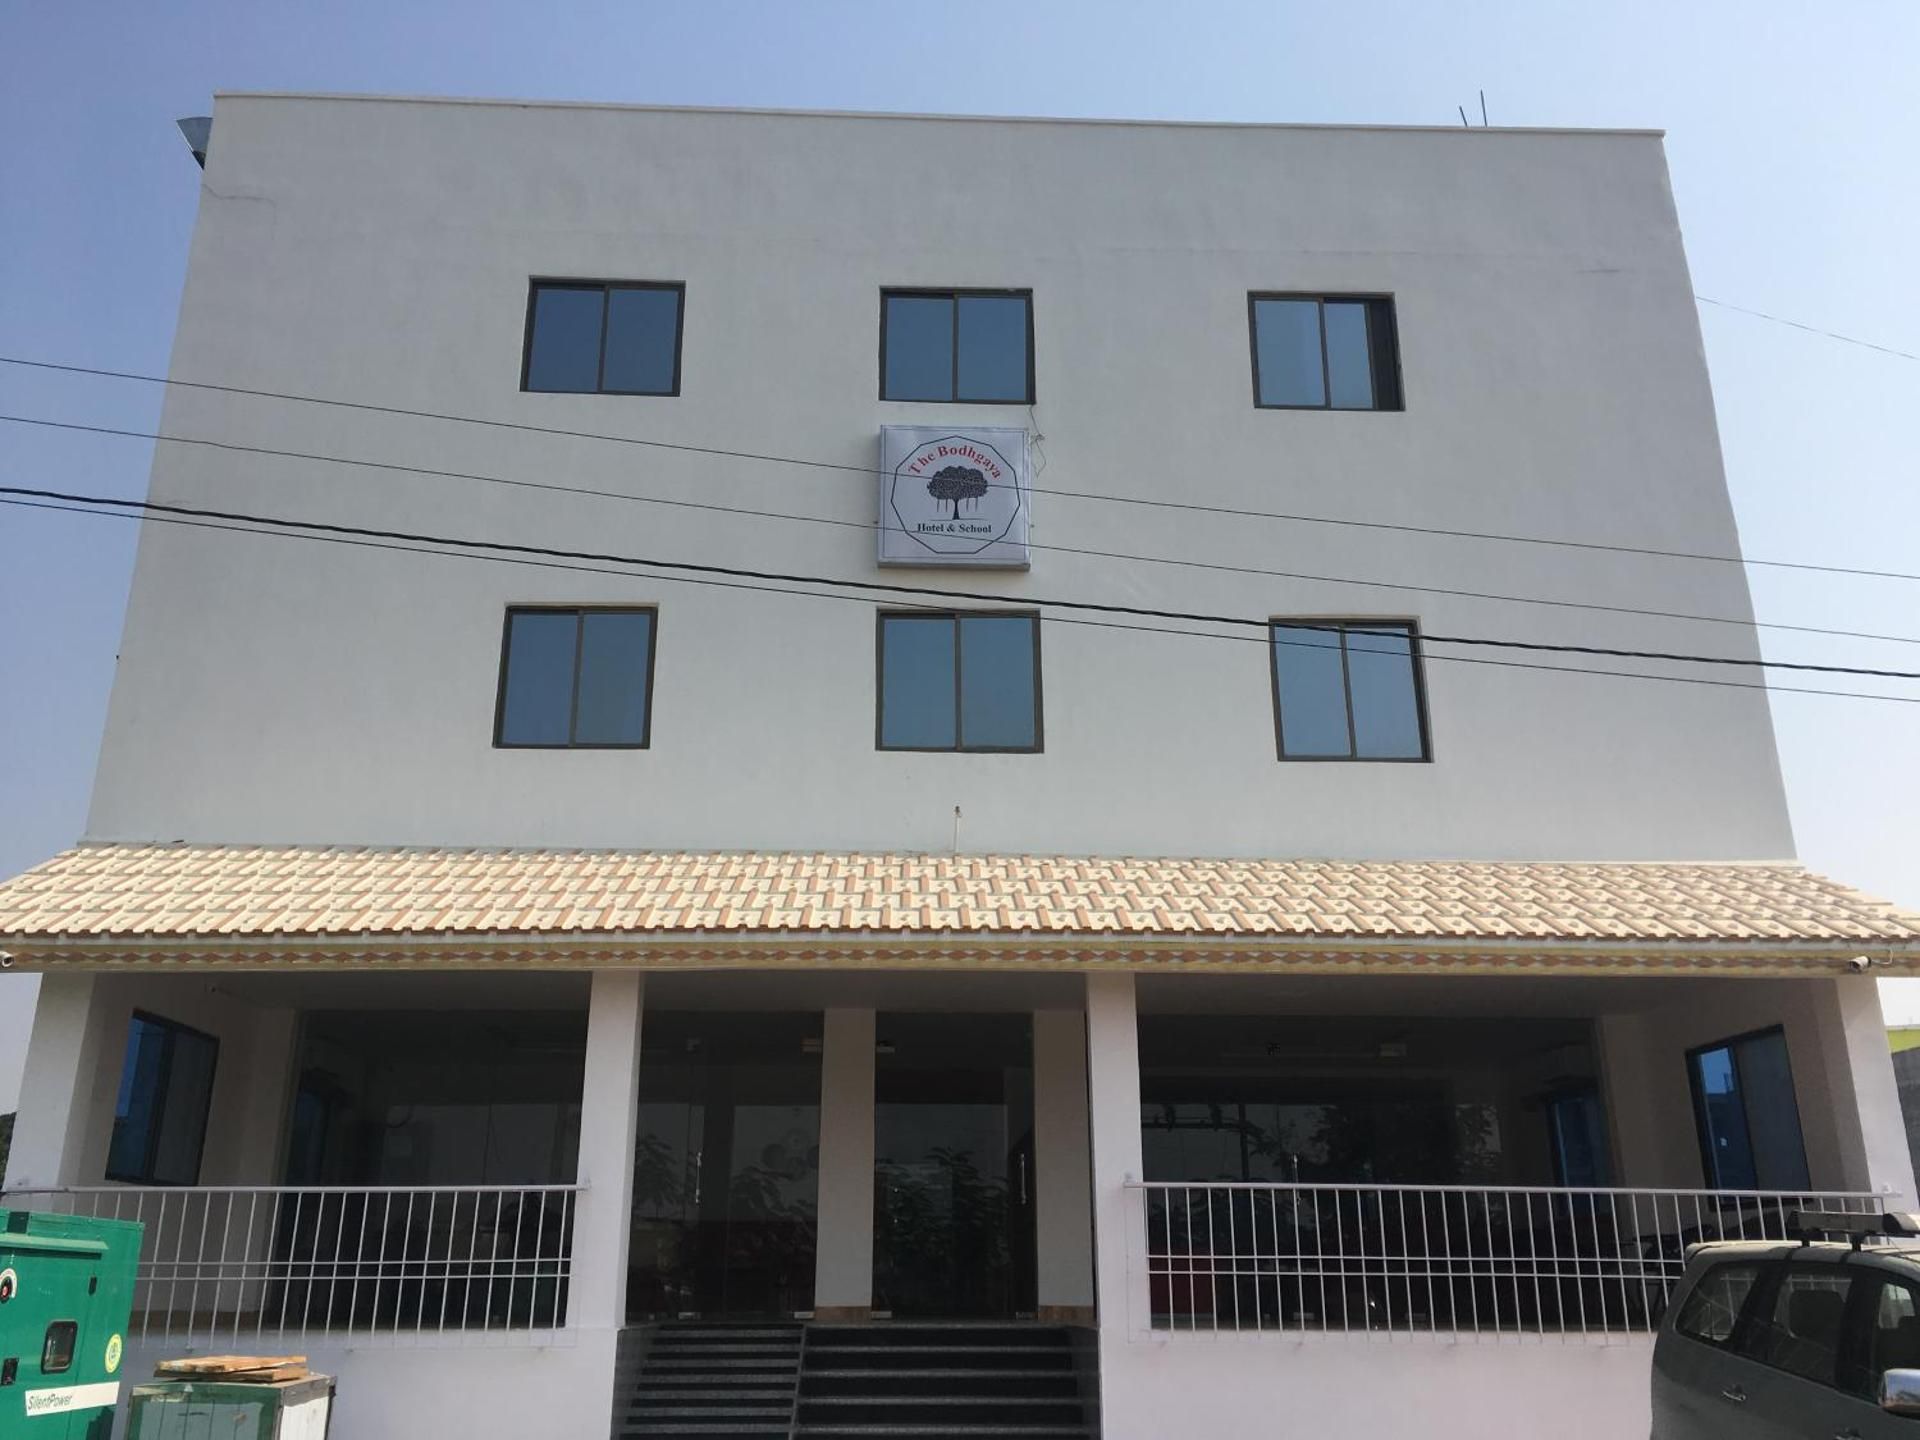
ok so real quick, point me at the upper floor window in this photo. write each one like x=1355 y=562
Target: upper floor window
x=1348 y=690
x=959 y=682
x=603 y=337
x=160 y=1116
x=1324 y=352
x=575 y=678
x=957 y=345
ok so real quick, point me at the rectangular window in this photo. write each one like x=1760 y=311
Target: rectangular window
x=1801 y=1331
x=611 y=338
x=973 y=346
x=160 y=1116
x=959 y=682
x=56 y=1347
x=1748 y=1119
x=1712 y=1311
x=1324 y=352
x=1348 y=690
x=575 y=679
x=1891 y=1338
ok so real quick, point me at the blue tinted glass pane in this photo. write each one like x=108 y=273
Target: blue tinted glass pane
x=919 y=348
x=1348 y=366
x=565 y=354
x=137 y=1106
x=1313 y=696
x=538 y=704
x=1287 y=340
x=613 y=678
x=642 y=329
x=916 y=698
x=1772 y=1113
x=1723 y=1118
x=183 y=1109
x=993 y=348
x=1386 y=710
x=996 y=682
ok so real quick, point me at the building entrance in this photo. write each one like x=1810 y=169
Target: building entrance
x=953 y=1166
x=726 y=1166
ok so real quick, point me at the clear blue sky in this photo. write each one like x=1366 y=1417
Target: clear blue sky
x=1792 y=135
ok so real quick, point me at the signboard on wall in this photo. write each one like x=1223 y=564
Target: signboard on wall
x=954 y=495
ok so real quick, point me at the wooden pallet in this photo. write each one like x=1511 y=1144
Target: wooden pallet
x=236 y=1369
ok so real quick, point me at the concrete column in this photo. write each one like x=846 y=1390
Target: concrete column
x=609 y=1098
x=260 y=1140
x=1063 y=1168
x=1640 y=1096
x=1865 y=1099
x=1119 y=1223
x=843 y=1264
x=64 y=1057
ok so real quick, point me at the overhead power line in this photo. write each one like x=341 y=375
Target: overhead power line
x=870 y=473
x=920 y=592
x=528 y=562
x=750 y=512
x=1810 y=329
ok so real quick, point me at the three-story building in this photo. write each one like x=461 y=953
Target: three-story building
x=857 y=723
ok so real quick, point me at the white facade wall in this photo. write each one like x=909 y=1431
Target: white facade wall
x=279 y=690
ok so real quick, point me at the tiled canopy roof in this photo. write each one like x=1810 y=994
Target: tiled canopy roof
x=180 y=901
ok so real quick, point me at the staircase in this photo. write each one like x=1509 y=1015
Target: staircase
x=942 y=1382
x=693 y=1381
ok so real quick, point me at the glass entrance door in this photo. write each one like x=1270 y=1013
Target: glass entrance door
x=953 y=1166
x=726 y=1166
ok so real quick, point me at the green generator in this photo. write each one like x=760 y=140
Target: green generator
x=66 y=1290
x=218 y=1410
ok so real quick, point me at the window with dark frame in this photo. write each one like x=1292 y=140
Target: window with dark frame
x=1746 y=1113
x=576 y=678
x=615 y=337
x=1348 y=690
x=1324 y=352
x=160 y=1114
x=57 y=1347
x=957 y=346
x=961 y=681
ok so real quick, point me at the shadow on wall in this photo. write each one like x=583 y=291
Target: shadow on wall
x=6 y=1140
x=1906 y=1074
x=18 y=995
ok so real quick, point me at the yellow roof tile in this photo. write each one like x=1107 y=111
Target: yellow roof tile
x=146 y=893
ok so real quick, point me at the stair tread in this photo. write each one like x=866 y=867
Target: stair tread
x=828 y=1402
x=922 y=1372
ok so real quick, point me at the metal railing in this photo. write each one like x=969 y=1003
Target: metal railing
x=272 y=1262
x=1456 y=1261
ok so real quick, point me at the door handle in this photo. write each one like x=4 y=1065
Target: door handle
x=1735 y=1394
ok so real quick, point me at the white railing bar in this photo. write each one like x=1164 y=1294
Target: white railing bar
x=1369 y=1186
x=305 y=1189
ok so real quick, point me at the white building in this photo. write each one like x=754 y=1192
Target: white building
x=483 y=963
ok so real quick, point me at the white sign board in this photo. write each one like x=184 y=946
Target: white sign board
x=954 y=495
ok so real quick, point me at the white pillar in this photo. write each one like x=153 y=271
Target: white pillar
x=1641 y=1097
x=1119 y=1225
x=843 y=1263
x=1062 y=1168
x=57 y=1089
x=1865 y=1097
x=609 y=1097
